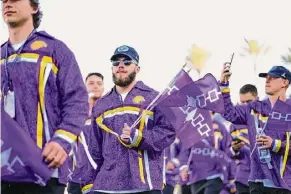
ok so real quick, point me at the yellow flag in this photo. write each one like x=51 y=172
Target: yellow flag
x=198 y=57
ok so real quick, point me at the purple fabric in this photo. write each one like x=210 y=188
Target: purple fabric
x=280 y=117
x=172 y=152
x=203 y=93
x=203 y=161
x=21 y=159
x=242 y=157
x=223 y=143
x=118 y=166
x=65 y=97
x=188 y=109
x=245 y=115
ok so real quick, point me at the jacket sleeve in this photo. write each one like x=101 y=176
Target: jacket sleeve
x=234 y=114
x=282 y=147
x=95 y=149
x=73 y=97
x=159 y=137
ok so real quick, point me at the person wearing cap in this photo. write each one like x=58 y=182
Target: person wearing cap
x=271 y=171
x=43 y=92
x=129 y=160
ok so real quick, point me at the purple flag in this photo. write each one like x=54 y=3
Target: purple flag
x=188 y=109
x=180 y=80
x=204 y=94
x=191 y=124
x=210 y=154
x=21 y=159
x=280 y=117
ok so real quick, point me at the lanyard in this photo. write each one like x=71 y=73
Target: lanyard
x=9 y=81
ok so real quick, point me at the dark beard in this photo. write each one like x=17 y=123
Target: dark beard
x=126 y=82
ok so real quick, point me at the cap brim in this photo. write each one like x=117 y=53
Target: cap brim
x=120 y=55
x=270 y=74
x=263 y=74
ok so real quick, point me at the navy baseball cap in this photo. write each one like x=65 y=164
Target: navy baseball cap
x=278 y=71
x=126 y=51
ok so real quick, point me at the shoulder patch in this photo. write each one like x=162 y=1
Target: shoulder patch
x=38 y=44
x=138 y=99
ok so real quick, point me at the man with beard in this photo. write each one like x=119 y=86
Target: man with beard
x=128 y=160
x=79 y=159
x=43 y=93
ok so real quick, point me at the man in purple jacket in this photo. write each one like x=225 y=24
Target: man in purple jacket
x=172 y=166
x=43 y=91
x=222 y=141
x=240 y=151
x=204 y=177
x=128 y=160
x=79 y=159
x=270 y=160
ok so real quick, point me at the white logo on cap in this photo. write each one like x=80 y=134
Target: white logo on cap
x=123 y=49
x=284 y=75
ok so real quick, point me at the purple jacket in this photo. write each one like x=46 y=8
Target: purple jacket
x=138 y=166
x=172 y=153
x=50 y=96
x=222 y=141
x=242 y=157
x=81 y=157
x=199 y=169
x=280 y=175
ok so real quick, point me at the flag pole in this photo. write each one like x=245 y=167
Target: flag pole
x=151 y=105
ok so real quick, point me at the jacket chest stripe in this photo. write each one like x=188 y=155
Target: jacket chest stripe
x=46 y=66
x=23 y=57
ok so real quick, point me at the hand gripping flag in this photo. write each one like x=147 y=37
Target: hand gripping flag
x=21 y=159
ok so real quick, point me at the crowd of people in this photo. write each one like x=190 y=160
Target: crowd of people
x=86 y=136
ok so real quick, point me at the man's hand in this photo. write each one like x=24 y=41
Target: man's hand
x=184 y=175
x=55 y=154
x=125 y=136
x=225 y=74
x=264 y=141
x=170 y=166
x=236 y=146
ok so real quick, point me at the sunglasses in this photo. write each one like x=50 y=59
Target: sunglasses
x=125 y=62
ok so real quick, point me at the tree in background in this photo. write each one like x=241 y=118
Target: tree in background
x=254 y=49
x=287 y=57
x=197 y=58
